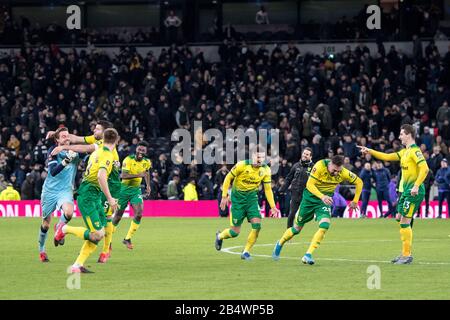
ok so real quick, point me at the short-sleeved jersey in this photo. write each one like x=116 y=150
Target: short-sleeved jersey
x=411 y=159
x=132 y=166
x=114 y=177
x=326 y=183
x=248 y=178
x=63 y=181
x=100 y=158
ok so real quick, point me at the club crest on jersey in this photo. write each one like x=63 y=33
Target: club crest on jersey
x=261 y=173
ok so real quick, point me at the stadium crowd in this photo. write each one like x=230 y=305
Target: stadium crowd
x=330 y=103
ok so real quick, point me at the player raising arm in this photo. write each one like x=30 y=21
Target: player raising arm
x=95 y=182
x=89 y=144
x=57 y=191
x=414 y=171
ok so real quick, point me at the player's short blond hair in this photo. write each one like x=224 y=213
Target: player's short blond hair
x=110 y=136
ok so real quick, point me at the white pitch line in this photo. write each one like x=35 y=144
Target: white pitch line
x=229 y=250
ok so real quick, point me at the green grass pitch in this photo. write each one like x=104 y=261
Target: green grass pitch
x=176 y=259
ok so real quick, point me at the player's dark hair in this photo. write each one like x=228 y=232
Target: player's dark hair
x=143 y=144
x=110 y=135
x=308 y=149
x=409 y=129
x=105 y=124
x=337 y=160
x=58 y=131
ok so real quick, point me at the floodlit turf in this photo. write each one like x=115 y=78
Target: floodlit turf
x=176 y=259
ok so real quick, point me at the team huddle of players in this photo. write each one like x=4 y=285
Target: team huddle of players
x=317 y=200
x=106 y=189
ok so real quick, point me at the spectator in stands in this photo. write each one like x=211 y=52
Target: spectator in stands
x=172 y=188
x=206 y=185
x=429 y=180
x=366 y=177
x=155 y=186
x=172 y=24
x=283 y=198
x=435 y=159
x=349 y=146
x=3 y=183
x=190 y=191
x=427 y=138
x=262 y=16
x=443 y=180
x=382 y=178
x=27 y=190
x=393 y=190
x=9 y=194
x=339 y=204
x=14 y=183
x=443 y=113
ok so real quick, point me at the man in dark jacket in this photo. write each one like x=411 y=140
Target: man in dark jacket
x=382 y=179
x=297 y=178
x=27 y=190
x=218 y=182
x=366 y=177
x=443 y=180
x=206 y=185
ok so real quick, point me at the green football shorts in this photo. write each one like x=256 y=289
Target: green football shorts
x=244 y=204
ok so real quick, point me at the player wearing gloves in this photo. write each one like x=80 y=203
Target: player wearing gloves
x=57 y=192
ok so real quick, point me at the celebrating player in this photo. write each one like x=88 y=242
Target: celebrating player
x=317 y=200
x=247 y=175
x=57 y=191
x=414 y=171
x=95 y=182
x=94 y=142
x=134 y=168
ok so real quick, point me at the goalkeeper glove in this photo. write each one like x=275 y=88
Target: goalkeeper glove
x=70 y=156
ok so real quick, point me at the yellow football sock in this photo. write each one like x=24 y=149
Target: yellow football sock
x=287 y=235
x=406 y=235
x=80 y=232
x=318 y=237
x=133 y=227
x=227 y=233
x=253 y=235
x=86 y=250
x=108 y=236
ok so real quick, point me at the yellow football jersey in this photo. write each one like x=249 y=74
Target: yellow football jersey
x=325 y=182
x=411 y=159
x=132 y=166
x=100 y=158
x=248 y=178
x=116 y=163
